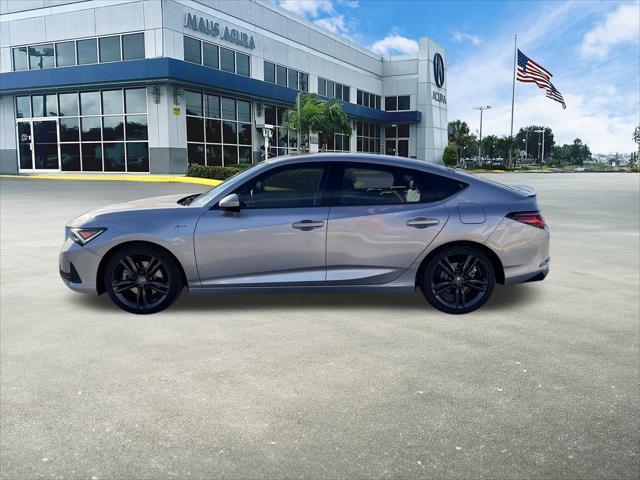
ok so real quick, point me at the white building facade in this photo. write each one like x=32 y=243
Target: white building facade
x=156 y=86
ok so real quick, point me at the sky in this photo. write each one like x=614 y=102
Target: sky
x=591 y=48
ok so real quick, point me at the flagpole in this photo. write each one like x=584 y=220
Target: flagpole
x=513 y=94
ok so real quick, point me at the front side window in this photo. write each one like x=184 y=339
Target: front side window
x=295 y=186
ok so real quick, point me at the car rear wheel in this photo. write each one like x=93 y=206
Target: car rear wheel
x=458 y=279
x=142 y=279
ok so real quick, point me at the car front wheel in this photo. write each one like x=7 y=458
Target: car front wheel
x=142 y=279
x=458 y=279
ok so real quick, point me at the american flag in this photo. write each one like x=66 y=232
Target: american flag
x=529 y=71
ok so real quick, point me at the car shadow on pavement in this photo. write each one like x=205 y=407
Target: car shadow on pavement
x=503 y=298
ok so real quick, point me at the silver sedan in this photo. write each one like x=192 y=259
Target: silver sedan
x=323 y=222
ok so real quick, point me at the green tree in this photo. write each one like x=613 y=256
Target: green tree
x=466 y=143
x=529 y=138
x=489 y=146
x=450 y=155
x=636 y=136
x=579 y=152
x=317 y=115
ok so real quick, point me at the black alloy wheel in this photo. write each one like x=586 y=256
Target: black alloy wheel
x=458 y=280
x=142 y=279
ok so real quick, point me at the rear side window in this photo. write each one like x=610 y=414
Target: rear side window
x=288 y=187
x=371 y=184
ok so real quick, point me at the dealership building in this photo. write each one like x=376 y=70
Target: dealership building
x=156 y=86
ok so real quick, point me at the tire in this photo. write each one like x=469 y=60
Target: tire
x=458 y=279
x=142 y=279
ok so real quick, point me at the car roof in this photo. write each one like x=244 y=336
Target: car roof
x=361 y=157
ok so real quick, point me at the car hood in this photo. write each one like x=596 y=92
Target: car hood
x=164 y=202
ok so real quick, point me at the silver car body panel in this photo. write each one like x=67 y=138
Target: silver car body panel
x=357 y=248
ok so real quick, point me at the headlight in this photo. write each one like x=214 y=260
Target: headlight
x=82 y=236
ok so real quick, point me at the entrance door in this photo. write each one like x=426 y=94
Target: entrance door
x=45 y=145
x=38 y=145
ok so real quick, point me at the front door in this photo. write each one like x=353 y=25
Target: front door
x=382 y=221
x=38 y=145
x=277 y=238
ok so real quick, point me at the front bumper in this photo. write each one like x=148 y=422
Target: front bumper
x=78 y=267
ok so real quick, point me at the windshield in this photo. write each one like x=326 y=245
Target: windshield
x=204 y=198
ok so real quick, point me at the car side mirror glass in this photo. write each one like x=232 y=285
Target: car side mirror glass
x=230 y=203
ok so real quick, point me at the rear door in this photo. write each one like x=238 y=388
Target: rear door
x=382 y=218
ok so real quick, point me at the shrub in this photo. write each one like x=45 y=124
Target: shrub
x=215 y=172
x=450 y=155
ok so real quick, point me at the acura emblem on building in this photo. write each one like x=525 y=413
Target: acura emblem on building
x=438 y=70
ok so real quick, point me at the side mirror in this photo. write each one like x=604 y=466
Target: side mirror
x=230 y=203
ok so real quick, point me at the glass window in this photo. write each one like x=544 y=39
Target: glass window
x=304 y=82
x=210 y=55
x=230 y=155
x=192 y=51
x=281 y=75
x=193 y=101
x=293 y=79
x=38 y=106
x=112 y=102
x=346 y=93
x=90 y=129
x=195 y=154
x=244 y=111
x=359 y=97
x=370 y=184
x=228 y=108
x=137 y=127
x=403 y=102
x=114 y=157
x=403 y=148
x=109 y=50
x=378 y=100
x=70 y=157
x=113 y=128
x=195 y=129
x=390 y=103
x=90 y=103
x=68 y=104
x=331 y=89
x=137 y=157
x=91 y=157
x=244 y=154
x=23 y=107
x=229 y=132
x=213 y=131
x=244 y=133
x=69 y=130
x=87 y=51
x=51 y=106
x=242 y=61
x=66 y=54
x=133 y=46
x=41 y=56
x=212 y=106
x=227 y=61
x=322 y=87
x=214 y=154
x=269 y=72
x=136 y=100
x=403 y=130
x=390 y=131
x=288 y=187
x=338 y=91
x=20 y=59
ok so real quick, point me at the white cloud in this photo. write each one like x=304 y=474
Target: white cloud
x=395 y=44
x=335 y=24
x=307 y=8
x=349 y=3
x=619 y=26
x=460 y=37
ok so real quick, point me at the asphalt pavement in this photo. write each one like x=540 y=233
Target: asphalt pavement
x=541 y=383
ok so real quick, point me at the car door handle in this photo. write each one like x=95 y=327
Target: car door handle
x=306 y=225
x=422 y=222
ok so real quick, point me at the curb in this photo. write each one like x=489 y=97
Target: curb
x=122 y=178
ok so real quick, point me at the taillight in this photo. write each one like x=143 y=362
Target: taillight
x=83 y=236
x=530 y=218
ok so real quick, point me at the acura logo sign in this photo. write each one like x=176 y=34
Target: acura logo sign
x=438 y=70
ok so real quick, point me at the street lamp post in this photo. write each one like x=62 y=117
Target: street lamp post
x=482 y=109
x=542 y=147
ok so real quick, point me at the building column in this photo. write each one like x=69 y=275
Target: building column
x=8 y=148
x=167 y=129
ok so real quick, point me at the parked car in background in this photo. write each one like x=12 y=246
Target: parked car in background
x=322 y=222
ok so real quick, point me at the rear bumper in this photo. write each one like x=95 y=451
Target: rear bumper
x=533 y=276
